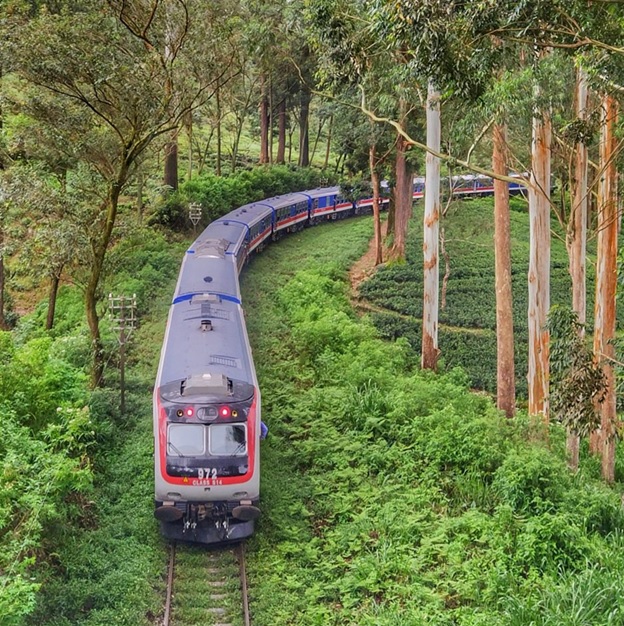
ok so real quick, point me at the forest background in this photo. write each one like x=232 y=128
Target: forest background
x=117 y=116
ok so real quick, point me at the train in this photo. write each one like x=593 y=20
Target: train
x=206 y=400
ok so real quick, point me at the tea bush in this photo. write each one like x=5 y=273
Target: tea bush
x=468 y=320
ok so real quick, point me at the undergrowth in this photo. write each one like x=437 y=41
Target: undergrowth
x=395 y=496
x=79 y=541
x=389 y=495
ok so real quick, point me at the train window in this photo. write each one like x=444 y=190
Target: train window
x=186 y=440
x=228 y=440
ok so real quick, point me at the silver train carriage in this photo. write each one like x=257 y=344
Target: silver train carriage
x=206 y=399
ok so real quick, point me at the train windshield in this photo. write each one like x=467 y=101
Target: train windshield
x=186 y=440
x=228 y=440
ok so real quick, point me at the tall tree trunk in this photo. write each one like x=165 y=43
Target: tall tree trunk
x=189 y=132
x=1 y=120
x=539 y=265
x=606 y=282
x=376 y=217
x=54 y=286
x=576 y=239
x=264 y=120
x=319 y=130
x=99 y=246
x=329 y=139
x=270 y=121
x=139 y=196
x=291 y=131
x=431 y=261
x=219 y=145
x=402 y=191
x=391 y=216
x=171 y=162
x=304 y=114
x=505 y=369
x=170 y=177
x=236 y=142
x=281 y=132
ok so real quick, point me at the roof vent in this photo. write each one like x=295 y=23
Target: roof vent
x=198 y=298
x=208 y=383
x=212 y=248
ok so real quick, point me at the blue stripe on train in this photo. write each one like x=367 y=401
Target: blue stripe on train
x=189 y=296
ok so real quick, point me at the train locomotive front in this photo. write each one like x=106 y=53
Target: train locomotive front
x=207 y=401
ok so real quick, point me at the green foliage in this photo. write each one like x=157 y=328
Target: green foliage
x=73 y=551
x=394 y=496
x=140 y=264
x=578 y=385
x=219 y=195
x=39 y=477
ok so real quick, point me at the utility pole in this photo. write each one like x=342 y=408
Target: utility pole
x=123 y=314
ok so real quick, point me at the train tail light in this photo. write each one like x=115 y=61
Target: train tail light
x=225 y=411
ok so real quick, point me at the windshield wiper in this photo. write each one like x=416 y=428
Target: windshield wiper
x=239 y=448
x=182 y=456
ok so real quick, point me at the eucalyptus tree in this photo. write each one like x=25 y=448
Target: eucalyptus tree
x=595 y=29
x=352 y=52
x=434 y=40
x=107 y=66
x=606 y=281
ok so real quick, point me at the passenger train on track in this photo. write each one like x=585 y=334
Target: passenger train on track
x=207 y=406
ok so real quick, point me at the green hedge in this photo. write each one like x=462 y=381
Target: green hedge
x=219 y=195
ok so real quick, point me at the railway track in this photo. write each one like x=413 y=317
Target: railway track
x=206 y=588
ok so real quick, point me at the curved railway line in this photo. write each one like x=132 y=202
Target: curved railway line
x=221 y=574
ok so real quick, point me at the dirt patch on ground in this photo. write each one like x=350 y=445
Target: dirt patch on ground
x=364 y=267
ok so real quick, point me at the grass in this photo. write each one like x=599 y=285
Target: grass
x=392 y=496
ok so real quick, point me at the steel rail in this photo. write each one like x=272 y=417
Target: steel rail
x=169 y=585
x=243 y=581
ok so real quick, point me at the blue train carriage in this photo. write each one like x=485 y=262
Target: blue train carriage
x=365 y=205
x=418 y=189
x=206 y=399
x=291 y=212
x=326 y=203
x=259 y=219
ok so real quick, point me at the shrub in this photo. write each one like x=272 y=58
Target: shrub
x=219 y=195
x=532 y=480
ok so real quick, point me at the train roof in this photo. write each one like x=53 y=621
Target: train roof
x=286 y=200
x=205 y=339
x=209 y=266
x=249 y=214
x=231 y=230
x=320 y=192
